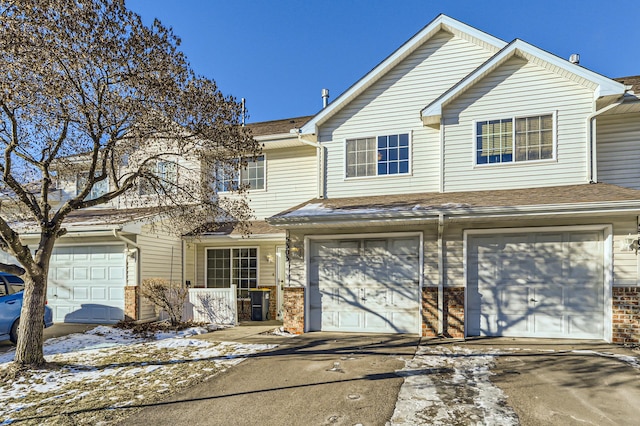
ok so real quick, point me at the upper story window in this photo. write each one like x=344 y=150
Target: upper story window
x=252 y=176
x=378 y=156
x=166 y=173
x=515 y=139
x=98 y=189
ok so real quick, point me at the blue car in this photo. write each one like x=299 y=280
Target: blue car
x=11 y=291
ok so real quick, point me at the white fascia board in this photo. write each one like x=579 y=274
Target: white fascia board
x=237 y=238
x=440 y=22
x=605 y=86
x=278 y=136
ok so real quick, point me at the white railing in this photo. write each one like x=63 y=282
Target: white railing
x=212 y=305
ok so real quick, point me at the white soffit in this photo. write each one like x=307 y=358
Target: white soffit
x=602 y=86
x=442 y=22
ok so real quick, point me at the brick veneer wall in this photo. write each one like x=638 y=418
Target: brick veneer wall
x=293 y=307
x=273 y=309
x=244 y=309
x=453 y=312
x=131 y=302
x=626 y=315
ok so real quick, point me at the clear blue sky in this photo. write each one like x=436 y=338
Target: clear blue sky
x=279 y=54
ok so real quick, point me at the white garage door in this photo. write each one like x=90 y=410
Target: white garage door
x=365 y=285
x=86 y=284
x=536 y=285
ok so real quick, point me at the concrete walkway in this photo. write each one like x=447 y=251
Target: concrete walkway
x=316 y=378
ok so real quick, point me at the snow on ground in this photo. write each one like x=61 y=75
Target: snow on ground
x=447 y=385
x=106 y=368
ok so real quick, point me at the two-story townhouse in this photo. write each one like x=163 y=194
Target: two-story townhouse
x=285 y=174
x=97 y=267
x=471 y=187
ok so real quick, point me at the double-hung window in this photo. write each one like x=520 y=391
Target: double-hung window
x=515 y=139
x=98 y=189
x=237 y=266
x=378 y=156
x=252 y=175
x=166 y=176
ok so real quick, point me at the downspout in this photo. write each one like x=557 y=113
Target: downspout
x=441 y=132
x=128 y=242
x=441 y=219
x=592 y=172
x=321 y=160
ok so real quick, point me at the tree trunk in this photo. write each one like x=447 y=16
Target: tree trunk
x=30 y=333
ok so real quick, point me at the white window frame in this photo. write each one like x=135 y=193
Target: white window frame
x=238 y=176
x=513 y=118
x=230 y=249
x=145 y=190
x=375 y=137
x=96 y=190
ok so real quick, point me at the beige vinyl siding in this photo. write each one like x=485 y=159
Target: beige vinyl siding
x=392 y=105
x=291 y=179
x=160 y=257
x=517 y=88
x=190 y=262
x=266 y=270
x=618 y=153
x=625 y=263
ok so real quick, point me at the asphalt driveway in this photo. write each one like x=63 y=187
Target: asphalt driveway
x=345 y=379
x=316 y=378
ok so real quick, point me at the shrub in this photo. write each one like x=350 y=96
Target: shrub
x=166 y=295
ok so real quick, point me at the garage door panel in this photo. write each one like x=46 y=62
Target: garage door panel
x=80 y=293
x=87 y=283
x=545 y=285
x=375 y=287
x=583 y=325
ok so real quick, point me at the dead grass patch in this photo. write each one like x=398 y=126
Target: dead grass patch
x=103 y=386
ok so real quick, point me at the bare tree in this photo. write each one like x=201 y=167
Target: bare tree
x=88 y=92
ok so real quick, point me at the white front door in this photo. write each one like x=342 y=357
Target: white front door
x=365 y=285
x=536 y=285
x=86 y=283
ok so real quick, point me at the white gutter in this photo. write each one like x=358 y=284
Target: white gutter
x=321 y=160
x=441 y=219
x=592 y=170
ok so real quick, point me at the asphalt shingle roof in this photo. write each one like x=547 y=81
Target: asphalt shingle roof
x=555 y=195
x=276 y=127
x=633 y=80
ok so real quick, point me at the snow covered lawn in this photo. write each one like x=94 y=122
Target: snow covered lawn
x=104 y=369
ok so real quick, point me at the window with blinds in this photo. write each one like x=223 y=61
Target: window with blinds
x=515 y=139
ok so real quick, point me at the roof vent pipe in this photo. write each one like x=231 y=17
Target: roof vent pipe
x=325 y=98
x=575 y=58
x=243 y=111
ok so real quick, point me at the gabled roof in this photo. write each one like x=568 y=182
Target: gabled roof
x=602 y=86
x=568 y=199
x=442 y=22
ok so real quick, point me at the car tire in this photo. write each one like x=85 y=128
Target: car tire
x=13 y=335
